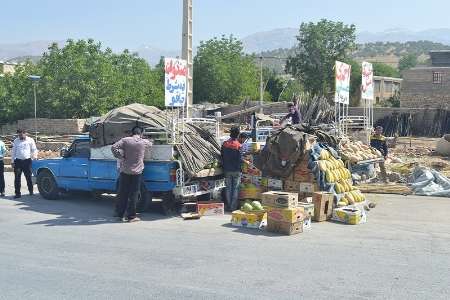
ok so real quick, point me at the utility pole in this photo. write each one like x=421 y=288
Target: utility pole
x=186 y=52
x=261 y=85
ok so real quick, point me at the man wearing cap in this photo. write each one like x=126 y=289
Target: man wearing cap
x=23 y=151
x=378 y=141
x=131 y=151
x=231 y=162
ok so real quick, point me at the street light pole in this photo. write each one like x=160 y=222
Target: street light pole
x=261 y=85
x=35 y=110
x=34 y=80
x=285 y=86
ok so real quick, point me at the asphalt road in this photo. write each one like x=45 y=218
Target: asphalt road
x=73 y=249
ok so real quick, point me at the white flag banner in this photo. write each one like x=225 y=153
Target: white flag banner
x=342 y=94
x=175 y=82
x=367 y=85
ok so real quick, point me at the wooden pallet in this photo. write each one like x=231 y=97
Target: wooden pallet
x=389 y=188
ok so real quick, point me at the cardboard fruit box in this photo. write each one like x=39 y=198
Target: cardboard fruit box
x=248 y=219
x=208 y=208
x=349 y=215
x=272 y=184
x=290 y=215
x=284 y=227
x=291 y=186
x=279 y=199
x=303 y=178
x=307 y=207
x=323 y=206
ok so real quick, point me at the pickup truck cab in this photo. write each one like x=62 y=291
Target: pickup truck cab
x=75 y=170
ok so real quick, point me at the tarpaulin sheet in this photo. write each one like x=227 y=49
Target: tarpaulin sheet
x=199 y=150
x=429 y=182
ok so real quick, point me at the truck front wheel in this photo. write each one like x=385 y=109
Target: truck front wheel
x=47 y=185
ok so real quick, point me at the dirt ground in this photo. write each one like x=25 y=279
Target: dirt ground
x=421 y=151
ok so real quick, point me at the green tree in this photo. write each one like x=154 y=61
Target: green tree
x=81 y=80
x=407 y=62
x=355 y=82
x=319 y=46
x=223 y=73
x=381 y=69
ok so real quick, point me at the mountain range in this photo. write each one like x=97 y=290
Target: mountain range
x=254 y=43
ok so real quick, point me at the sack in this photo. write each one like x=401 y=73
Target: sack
x=281 y=153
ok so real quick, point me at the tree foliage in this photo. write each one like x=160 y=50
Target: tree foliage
x=407 y=62
x=319 y=46
x=223 y=73
x=80 y=80
x=381 y=69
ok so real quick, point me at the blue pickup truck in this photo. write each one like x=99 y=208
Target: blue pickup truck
x=75 y=170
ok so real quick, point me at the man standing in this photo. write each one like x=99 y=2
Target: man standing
x=2 y=168
x=231 y=163
x=131 y=151
x=378 y=141
x=23 y=151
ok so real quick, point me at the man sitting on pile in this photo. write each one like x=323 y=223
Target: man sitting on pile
x=294 y=114
x=378 y=141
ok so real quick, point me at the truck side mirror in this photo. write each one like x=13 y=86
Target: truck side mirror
x=64 y=152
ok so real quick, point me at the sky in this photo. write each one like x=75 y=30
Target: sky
x=134 y=23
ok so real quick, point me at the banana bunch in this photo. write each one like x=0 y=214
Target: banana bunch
x=333 y=168
x=351 y=197
x=343 y=186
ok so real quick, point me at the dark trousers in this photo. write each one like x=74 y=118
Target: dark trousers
x=2 y=177
x=129 y=186
x=22 y=165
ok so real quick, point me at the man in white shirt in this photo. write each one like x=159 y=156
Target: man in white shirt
x=2 y=168
x=23 y=151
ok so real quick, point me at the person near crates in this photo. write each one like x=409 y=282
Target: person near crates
x=378 y=141
x=2 y=168
x=131 y=150
x=231 y=163
x=23 y=152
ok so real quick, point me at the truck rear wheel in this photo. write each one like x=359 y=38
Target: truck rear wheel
x=168 y=203
x=46 y=184
x=143 y=199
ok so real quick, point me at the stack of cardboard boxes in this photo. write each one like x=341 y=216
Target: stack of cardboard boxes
x=283 y=213
x=301 y=180
x=253 y=183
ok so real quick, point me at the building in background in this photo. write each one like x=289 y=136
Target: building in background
x=7 y=67
x=385 y=88
x=428 y=86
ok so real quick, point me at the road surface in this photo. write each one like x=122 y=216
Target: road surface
x=73 y=249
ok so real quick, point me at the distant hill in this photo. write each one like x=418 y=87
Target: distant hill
x=384 y=52
x=270 y=40
x=22 y=59
x=438 y=35
x=21 y=52
x=33 y=49
x=152 y=54
x=386 y=46
x=286 y=38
